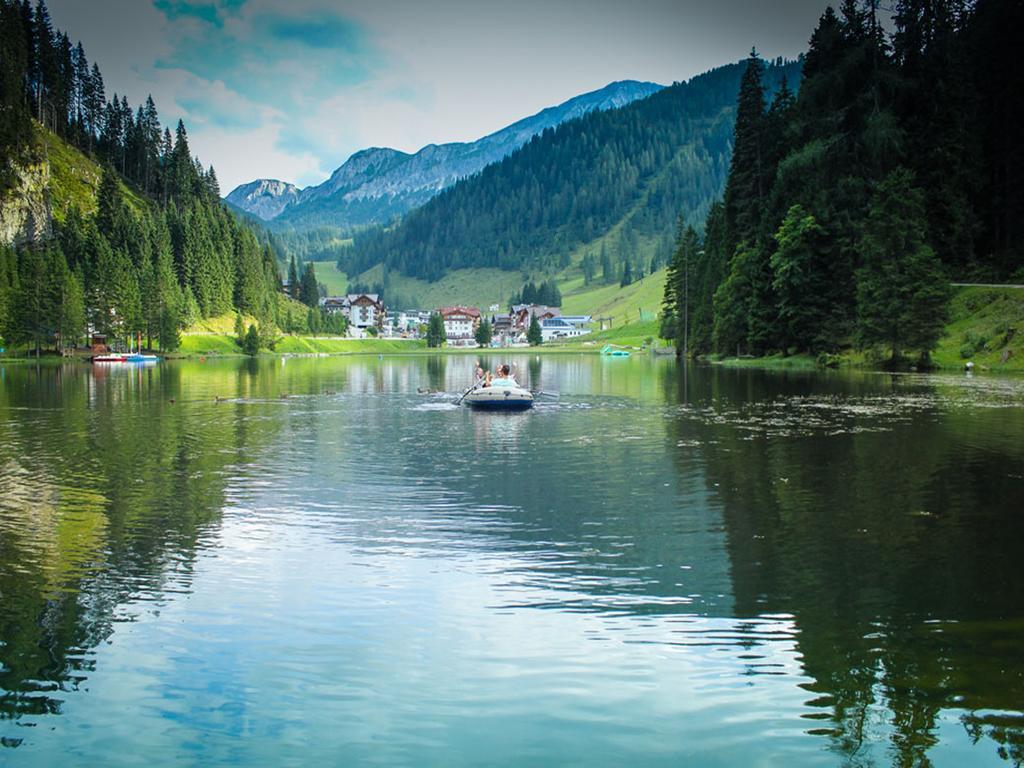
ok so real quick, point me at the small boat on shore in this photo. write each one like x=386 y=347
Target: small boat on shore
x=500 y=396
x=610 y=350
x=109 y=357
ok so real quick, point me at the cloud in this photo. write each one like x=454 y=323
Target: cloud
x=291 y=88
x=332 y=33
x=210 y=12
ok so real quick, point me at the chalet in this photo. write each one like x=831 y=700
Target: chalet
x=521 y=314
x=460 y=322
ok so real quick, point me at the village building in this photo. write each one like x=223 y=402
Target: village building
x=522 y=313
x=559 y=328
x=362 y=310
x=460 y=323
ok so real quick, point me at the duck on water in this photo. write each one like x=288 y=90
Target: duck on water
x=500 y=392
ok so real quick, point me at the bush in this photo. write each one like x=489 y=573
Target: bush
x=972 y=344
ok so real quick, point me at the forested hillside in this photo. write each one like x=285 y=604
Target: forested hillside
x=848 y=208
x=643 y=163
x=173 y=256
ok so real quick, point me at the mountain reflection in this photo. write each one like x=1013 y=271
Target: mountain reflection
x=856 y=534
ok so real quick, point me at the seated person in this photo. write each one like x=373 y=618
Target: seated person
x=503 y=377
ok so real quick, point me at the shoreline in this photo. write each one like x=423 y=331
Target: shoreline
x=392 y=348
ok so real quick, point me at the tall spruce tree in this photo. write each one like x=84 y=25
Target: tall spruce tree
x=801 y=280
x=902 y=290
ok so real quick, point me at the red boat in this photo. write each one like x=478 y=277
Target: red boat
x=109 y=357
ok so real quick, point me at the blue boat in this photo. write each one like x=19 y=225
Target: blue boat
x=502 y=395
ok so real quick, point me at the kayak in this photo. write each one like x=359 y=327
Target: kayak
x=499 y=398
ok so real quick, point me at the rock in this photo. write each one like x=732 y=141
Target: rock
x=25 y=215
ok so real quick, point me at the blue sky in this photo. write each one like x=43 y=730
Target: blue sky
x=289 y=90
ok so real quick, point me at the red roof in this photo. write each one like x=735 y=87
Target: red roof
x=468 y=311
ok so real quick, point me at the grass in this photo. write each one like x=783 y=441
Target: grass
x=327 y=273
x=196 y=344
x=75 y=179
x=986 y=325
x=478 y=287
x=622 y=305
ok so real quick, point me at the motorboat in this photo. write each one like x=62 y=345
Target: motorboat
x=501 y=395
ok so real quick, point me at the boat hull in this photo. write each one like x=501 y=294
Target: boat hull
x=499 y=399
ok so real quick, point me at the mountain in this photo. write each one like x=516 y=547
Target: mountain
x=265 y=198
x=377 y=184
x=622 y=177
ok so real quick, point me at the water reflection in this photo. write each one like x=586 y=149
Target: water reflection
x=884 y=517
x=654 y=562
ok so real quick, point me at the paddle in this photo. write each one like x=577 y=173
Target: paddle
x=475 y=385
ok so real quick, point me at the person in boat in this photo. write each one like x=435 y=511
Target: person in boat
x=503 y=377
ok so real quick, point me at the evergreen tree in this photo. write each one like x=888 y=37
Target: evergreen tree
x=309 y=289
x=34 y=310
x=627 y=274
x=801 y=280
x=675 y=307
x=533 y=334
x=483 y=333
x=436 y=335
x=747 y=187
x=902 y=291
x=313 y=321
x=587 y=267
x=71 y=304
x=607 y=273
x=293 y=279
x=251 y=345
x=239 y=330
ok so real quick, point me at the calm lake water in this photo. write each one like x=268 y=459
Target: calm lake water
x=334 y=565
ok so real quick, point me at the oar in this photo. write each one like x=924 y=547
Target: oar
x=542 y=393
x=459 y=401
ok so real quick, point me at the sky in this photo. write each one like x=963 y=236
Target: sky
x=288 y=90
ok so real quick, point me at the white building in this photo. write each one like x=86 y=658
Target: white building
x=559 y=328
x=460 y=323
x=362 y=310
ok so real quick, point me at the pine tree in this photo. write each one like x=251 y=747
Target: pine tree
x=70 y=303
x=309 y=289
x=251 y=345
x=607 y=273
x=483 y=333
x=293 y=279
x=902 y=291
x=313 y=321
x=435 y=331
x=801 y=278
x=675 y=312
x=239 y=329
x=34 y=308
x=747 y=187
x=533 y=334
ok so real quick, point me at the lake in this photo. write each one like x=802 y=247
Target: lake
x=316 y=561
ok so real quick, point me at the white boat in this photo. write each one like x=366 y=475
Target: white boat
x=500 y=396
